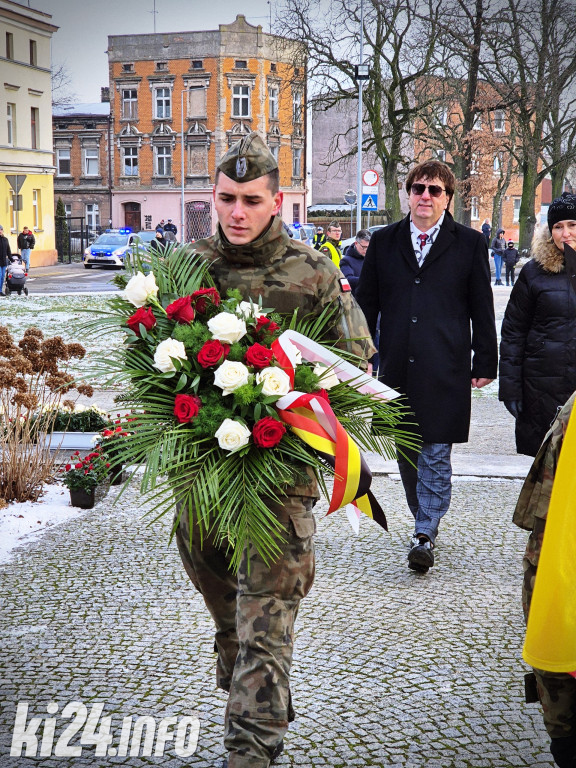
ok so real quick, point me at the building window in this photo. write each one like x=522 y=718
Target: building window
x=197 y=102
x=12 y=212
x=441 y=155
x=297 y=162
x=92 y=213
x=91 y=161
x=162 y=65
x=36 y=209
x=162 y=104
x=241 y=101
x=240 y=64
x=297 y=106
x=295 y=212
x=33 y=53
x=477 y=126
x=11 y=123
x=442 y=116
x=63 y=162
x=34 y=126
x=68 y=210
x=516 y=215
x=474 y=212
x=273 y=102
x=273 y=66
x=274 y=151
x=130 y=161
x=196 y=64
x=474 y=164
x=129 y=104
x=127 y=67
x=497 y=166
x=499 y=120
x=9 y=45
x=163 y=161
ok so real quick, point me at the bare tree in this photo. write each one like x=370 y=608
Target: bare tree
x=61 y=86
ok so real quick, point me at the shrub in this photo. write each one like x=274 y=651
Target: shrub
x=85 y=474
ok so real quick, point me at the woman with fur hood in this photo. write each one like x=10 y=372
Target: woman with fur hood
x=538 y=347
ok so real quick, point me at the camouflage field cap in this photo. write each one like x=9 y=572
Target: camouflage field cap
x=248 y=159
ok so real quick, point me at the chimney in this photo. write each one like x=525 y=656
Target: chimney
x=105 y=95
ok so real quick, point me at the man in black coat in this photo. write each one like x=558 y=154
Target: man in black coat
x=429 y=278
x=5 y=254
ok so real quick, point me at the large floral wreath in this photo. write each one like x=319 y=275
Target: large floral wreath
x=232 y=403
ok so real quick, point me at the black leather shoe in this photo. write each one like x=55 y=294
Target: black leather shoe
x=421 y=555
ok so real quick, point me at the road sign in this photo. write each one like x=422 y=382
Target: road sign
x=370 y=178
x=370 y=202
x=350 y=197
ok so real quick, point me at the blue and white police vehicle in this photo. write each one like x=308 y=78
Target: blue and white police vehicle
x=112 y=248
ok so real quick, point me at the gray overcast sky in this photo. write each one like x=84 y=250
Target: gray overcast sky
x=82 y=39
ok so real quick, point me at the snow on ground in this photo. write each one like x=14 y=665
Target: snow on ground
x=27 y=521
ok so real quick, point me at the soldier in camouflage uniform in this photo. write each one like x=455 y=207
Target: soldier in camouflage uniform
x=255 y=611
x=557 y=691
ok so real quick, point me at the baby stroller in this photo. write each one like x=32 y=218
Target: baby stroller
x=16 y=276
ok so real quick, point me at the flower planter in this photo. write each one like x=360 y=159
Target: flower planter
x=82 y=441
x=81 y=498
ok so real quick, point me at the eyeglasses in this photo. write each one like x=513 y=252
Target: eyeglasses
x=434 y=189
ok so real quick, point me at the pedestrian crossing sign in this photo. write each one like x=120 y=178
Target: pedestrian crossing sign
x=370 y=202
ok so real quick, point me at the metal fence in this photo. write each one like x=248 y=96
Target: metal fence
x=198 y=220
x=73 y=236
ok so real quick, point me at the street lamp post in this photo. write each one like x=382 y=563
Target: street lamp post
x=362 y=73
x=182 y=233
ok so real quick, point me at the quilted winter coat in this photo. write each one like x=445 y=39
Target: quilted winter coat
x=538 y=347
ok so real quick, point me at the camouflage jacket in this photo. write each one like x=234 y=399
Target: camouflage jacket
x=289 y=276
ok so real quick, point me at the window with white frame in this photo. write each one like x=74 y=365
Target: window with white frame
x=129 y=104
x=91 y=161
x=162 y=103
x=499 y=120
x=497 y=163
x=68 y=209
x=130 y=157
x=163 y=161
x=197 y=101
x=441 y=155
x=297 y=106
x=34 y=127
x=11 y=123
x=442 y=116
x=474 y=211
x=477 y=126
x=63 y=161
x=241 y=101
x=273 y=102
x=274 y=151
x=297 y=162
x=474 y=164
x=37 y=209
x=516 y=214
x=92 y=215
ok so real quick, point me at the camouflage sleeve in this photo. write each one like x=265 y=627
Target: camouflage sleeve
x=351 y=331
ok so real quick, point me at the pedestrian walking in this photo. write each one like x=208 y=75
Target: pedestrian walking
x=428 y=279
x=510 y=258
x=538 y=346
x=26 y=242
x=254 y=610
x=5 y=259
x=487 y=231
x=498 y=248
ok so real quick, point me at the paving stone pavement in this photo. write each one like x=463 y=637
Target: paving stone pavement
x=392 y=668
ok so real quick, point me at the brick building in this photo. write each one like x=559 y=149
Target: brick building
x=211 y=88
x=82 y=159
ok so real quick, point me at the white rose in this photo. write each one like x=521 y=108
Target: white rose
x=231 y=375
x=165 y=351
x=275 y=382
x=247 y=309
x=232 y=435
x=227 y=327
x=328 y=378
x=140 y=288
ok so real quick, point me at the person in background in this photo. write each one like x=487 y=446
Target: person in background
x=331 y=246
x=158 y=245
x=351 y=264
x=319 y=238
x=538 y=346
x=487 y=231
x=510 y=258
x=26 y=242
x=5 y=259
x=428 y=278
x=498 y=247
x=170 y=231
x=160 y=227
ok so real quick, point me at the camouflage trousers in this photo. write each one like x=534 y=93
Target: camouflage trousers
x=254 y=613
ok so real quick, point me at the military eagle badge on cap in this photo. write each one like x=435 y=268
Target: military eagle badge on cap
x=241 y=167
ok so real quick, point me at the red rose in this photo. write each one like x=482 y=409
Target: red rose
x=212 y=353
x=181 y=310
x=78 y=466
x=265 y=324
x=144 y=316
x=186 y=408
x=258 y=356
x=203 y=297
x=68 y=467
x=268 y=432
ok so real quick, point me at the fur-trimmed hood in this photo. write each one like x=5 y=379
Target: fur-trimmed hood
x=545 y=252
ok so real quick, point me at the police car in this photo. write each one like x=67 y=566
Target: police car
x=111 y=248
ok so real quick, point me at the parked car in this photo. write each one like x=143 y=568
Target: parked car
x=111 y=248
x=303 y=232
x=146 y=236
x=350 y=240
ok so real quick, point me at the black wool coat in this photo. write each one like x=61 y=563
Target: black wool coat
x=437 y=328
x=5 y=252
x=538 y=347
